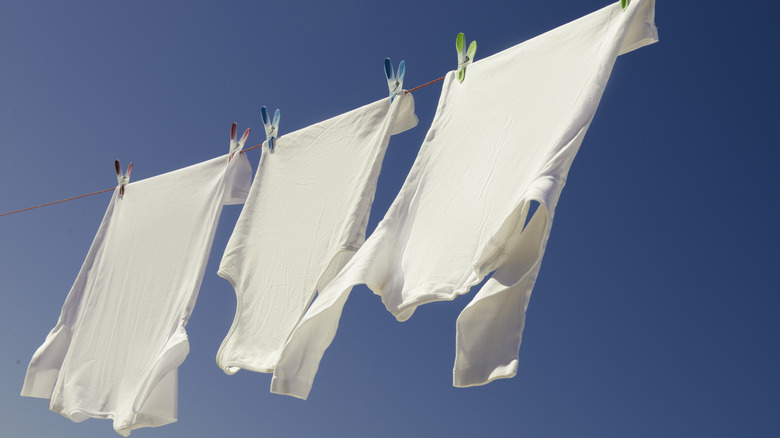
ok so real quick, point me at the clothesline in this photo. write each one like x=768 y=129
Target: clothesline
x=112 y=188
x=57 y=202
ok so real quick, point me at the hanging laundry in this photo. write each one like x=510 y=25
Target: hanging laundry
x=305 y=216
x=503 y=138
x=120 y=338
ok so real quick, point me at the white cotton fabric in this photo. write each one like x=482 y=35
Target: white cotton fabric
x=120 y=338
x=503 y=138
x=305 y=217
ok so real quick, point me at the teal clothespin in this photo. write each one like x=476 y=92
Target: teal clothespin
x=271 y=129
x=395 y=83
x=464 y=57
x=624 y=4
x=236 y=145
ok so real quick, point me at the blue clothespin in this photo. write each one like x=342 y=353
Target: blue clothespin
x=271 y=129
x=395 y=83
x=122 y=179
x=624 y=4
x=464 y=57
x=236 y=146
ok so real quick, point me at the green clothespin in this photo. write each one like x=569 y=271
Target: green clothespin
x=465 y=57
x=624 y=4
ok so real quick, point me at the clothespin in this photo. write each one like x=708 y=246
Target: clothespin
x=464 y=57
x=236 y=146
x=271 y=129
x=122 y=179
x=624 y=4
x=395 y=83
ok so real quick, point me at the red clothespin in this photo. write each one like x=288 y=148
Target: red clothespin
x=236 y=146
x=122 y=179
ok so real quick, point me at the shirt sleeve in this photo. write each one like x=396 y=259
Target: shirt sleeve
x=238 y=180
x=406 y=118
x=44 y=368
x=489 y=329
x=641 y=30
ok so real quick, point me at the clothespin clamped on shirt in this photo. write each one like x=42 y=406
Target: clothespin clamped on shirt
x=271 y=129
x=464 y=57
x=122 y=179
x=236 y=146
x=395 y=83
x=624 y=4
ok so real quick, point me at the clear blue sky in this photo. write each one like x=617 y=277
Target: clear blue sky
x=656 y=310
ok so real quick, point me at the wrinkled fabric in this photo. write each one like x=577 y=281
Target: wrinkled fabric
x=120 y=338
x=501 y=140
x=305 y=217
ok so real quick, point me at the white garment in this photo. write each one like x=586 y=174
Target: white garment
x=304 y=218
x=501 y=139
x=120 y=338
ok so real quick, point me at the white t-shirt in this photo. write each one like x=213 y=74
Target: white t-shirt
x=503 y=138
x=304 y=218
x=115 y=350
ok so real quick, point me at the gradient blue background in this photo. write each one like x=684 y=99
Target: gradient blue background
x=656 y=310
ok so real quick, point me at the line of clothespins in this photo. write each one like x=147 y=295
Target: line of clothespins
x=395 y=82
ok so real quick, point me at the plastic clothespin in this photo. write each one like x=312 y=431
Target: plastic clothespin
x=122 y=179
x=236 y=146
x=464 y=57
x=395 y=83
x=624 y=4
x=271 y=129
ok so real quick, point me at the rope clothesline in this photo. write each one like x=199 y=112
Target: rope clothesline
x=57 y=202
x=113 y=188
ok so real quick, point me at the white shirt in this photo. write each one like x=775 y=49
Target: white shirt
x=500 y=140
x=120 y=338
x=305 y=217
